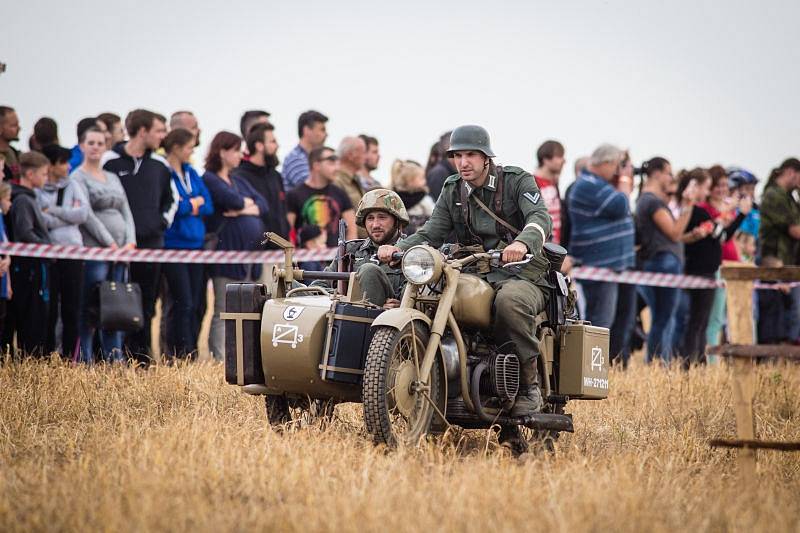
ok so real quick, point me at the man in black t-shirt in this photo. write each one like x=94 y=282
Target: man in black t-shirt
x=319 y=202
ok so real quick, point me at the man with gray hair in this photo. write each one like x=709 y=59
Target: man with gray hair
x=187 y=121
x=602 y=235
x=352 y=154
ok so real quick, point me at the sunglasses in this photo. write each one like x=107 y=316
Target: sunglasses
x=331 y=158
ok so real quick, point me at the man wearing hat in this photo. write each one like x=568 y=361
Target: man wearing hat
x=383 y=216
x=496 y=208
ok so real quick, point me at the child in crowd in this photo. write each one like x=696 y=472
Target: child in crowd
x=774 y=306
x=30 y=277
x=65 y=205
x=408 y=181
x=5 y=261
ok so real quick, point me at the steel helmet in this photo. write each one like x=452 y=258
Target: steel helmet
x=381 y=200
x=470 y=138
x=737 y=176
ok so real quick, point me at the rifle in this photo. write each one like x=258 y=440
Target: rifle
x=341 y=252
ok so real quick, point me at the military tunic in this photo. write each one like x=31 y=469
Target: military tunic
x=519 y=297
x=379 y=282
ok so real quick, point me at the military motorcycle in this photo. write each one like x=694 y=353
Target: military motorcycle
x=417 y=369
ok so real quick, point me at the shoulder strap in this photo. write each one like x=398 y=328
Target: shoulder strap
x=498 y=209
x=60 y=196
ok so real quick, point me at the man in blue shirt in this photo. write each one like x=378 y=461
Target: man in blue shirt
x=312 y=133
x=602 y=235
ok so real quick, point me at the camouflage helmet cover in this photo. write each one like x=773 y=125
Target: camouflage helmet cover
x=381 y=200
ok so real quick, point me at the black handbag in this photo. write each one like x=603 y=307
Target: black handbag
x=120 y=306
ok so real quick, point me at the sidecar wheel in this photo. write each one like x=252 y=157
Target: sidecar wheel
x=394 y=412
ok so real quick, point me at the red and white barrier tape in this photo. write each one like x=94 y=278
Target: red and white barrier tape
x=54 y=251
x=654 y=279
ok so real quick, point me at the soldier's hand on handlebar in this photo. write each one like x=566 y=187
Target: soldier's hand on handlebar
x=514 y=252
x=386 y=251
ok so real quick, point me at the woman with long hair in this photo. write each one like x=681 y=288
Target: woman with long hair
x=187 y=232
x=235 y=225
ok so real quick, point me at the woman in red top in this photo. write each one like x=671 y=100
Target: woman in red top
x=722 y=206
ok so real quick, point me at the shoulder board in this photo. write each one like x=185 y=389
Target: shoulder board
x=354 y=245
x=452 y=179
x=513 y=170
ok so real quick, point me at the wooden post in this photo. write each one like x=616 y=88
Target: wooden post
x=740 y=328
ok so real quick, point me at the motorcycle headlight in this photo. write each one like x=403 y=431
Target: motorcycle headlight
x=422 y=265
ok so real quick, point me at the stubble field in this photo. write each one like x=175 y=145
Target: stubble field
x=175 y=449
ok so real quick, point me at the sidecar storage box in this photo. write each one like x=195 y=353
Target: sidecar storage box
x=245 y=300
x=349 y=339
x=583 y=362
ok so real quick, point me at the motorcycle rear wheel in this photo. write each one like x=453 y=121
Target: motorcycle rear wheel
x=395 y=411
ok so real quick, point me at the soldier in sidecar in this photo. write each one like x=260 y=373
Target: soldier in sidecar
x=314 y=340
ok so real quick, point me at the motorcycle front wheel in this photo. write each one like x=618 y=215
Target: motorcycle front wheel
x=398 y=408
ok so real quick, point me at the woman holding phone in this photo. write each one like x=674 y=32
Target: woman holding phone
x=706 y=231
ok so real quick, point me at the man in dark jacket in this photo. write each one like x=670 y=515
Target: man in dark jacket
x=260 y=171
x=146 y=178
x=441 y=170
x=30 y=302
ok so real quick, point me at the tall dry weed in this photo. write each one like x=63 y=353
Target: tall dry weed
x=175 y=449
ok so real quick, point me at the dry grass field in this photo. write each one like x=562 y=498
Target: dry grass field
x=175 y=449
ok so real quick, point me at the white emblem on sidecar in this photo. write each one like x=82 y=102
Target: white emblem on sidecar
x=286 y=334
x=597 y=359
x=292 y=312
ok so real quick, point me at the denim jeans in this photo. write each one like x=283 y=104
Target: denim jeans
x=93 y=273
x=185 y=281
x=613 y=306
x=662 y=302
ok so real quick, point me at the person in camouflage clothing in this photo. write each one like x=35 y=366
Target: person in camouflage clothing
x=471 y=202
x=383 y=216
x=779 y=234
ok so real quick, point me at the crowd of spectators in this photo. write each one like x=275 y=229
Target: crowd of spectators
x=134 y=183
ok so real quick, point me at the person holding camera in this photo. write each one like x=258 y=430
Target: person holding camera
x=660 y=234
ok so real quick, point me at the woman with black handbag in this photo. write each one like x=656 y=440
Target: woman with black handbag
x=110 y=224
x=236 y=222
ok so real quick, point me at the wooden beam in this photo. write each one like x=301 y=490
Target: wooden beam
x=740 y=328
x=744 y=351
x=755 y=445
x=750 y=273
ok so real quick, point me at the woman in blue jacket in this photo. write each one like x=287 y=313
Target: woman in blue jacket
x=185 y=280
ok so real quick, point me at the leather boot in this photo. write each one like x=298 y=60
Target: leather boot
x=529 y=401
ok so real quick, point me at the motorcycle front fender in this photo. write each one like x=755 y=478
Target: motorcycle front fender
x=400 y=317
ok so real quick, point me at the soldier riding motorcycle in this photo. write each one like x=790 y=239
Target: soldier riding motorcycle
x=496 y=208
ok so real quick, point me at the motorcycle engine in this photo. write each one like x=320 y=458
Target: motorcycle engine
x=502 y=379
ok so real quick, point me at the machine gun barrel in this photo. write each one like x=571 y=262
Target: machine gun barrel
x=337 y=276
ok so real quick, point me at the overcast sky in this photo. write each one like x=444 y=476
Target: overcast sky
x=697 y=82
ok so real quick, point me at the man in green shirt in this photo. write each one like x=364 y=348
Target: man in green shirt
x=780 y=216
x=468 y=205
